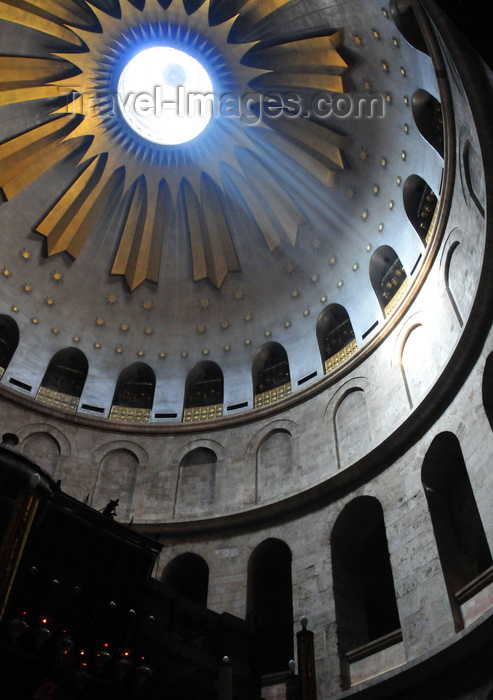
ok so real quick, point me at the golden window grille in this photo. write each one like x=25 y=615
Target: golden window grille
x=273 y=395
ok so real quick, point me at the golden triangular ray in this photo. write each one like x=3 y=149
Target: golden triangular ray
x=29 y=72
x=26 y=157
x=69 y=222
x=22 y=16
x=192 y=213
x=219 y=249
x=139 y=254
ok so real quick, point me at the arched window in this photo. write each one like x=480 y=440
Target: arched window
x=270 y=374
x=43 y=449
x=335 y=336
x=204 y=393
x=134 y=394
x=459 y=533
x=117 y=478
x=364 y=594
x=189 y=574
x=427 y=113
x=9 y=340
x=270 y=606
x=275 y=465
x=388 y=278
x=64 y=379
x=196 y=487
x=420 y=203
x=199 y=457
x=406 y=22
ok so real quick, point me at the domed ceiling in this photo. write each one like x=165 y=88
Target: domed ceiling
x=133 y=250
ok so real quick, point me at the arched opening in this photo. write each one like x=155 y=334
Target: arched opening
x=461 y=541
x=270 y=374
x=270 y=606
x=9 y=340
x=275 y=465
x=335 y=336
x=428 y=117
x=134 y=394
x=364 y=594
x=388 y=278
x=204 y=393
x=189 y=574
x=351 y=418
x=406 y=22
x=196 y=488
x=199 y=457
x=64 y=379
x=420 y=203
x=116 y=480
x=488 y=389
x=43 y=449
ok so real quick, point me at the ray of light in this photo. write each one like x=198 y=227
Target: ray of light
x=255 y=206
x=264 y=183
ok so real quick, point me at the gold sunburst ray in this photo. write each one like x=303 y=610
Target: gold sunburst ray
x=153 y=175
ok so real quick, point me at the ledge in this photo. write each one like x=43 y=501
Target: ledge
x=374 y=646
x=475 y=586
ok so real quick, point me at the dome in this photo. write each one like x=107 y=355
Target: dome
x=265 y=344
x=176 y=253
